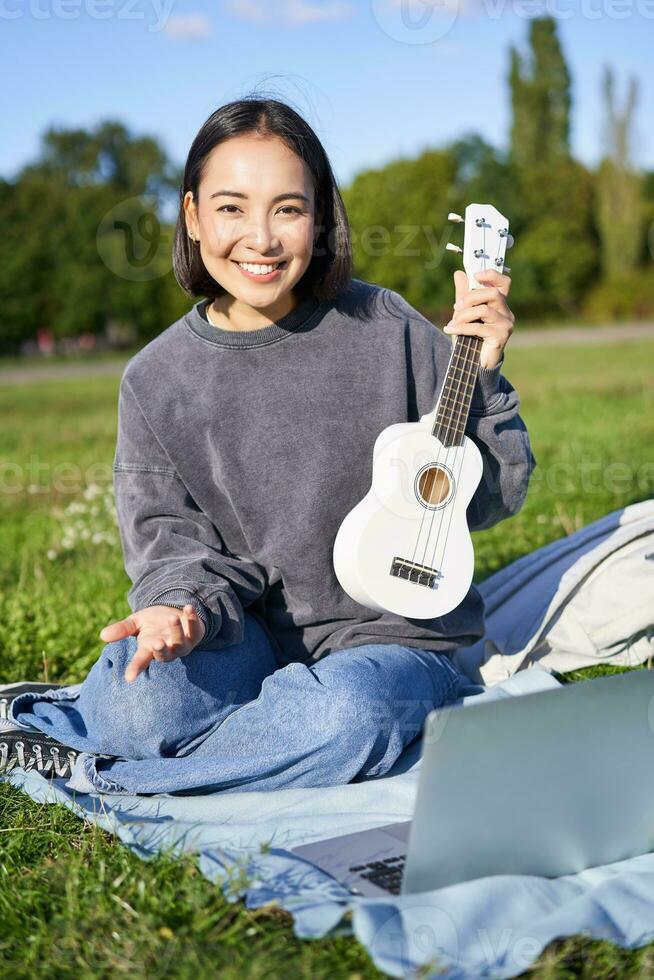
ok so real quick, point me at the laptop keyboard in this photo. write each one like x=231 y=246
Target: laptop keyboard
x=386 y=874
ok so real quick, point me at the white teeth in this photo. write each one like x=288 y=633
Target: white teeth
x=258 y=270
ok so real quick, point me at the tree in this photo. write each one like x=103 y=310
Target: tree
x=551 y=204
x=619 y=186
x=540 y=99
x=81 y=222
x=398 y=216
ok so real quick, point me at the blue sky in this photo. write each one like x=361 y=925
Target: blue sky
x=377 y=79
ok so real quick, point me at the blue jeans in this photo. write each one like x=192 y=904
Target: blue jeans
x=232 y=719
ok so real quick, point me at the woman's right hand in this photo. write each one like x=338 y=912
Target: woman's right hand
x=164 y=633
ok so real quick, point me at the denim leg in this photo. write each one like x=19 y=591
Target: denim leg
x=350 y=714
x=167 y=710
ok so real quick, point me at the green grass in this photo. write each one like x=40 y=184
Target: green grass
x=73 y=901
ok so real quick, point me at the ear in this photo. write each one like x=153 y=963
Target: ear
x=190 y=213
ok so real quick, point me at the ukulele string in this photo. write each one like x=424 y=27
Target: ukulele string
x=461 y=352
x=435 y=413
x=496 y=265
x=459 y=361
x=453 y=425
x=453 y=355
x=456 y=486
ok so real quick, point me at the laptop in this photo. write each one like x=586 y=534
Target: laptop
x=547 y=784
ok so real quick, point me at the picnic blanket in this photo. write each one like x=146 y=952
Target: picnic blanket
x=492 y=927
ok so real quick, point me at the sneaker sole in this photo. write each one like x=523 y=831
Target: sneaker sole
x=45 y=756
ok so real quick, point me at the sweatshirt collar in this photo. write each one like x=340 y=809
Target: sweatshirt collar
x=302 y=317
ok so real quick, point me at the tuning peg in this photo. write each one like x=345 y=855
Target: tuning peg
x=506 y=269
x=510 y=241
x=456 y=218
x=453 y=248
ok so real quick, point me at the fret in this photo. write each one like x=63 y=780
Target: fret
x=449 y=391
x=452 y=423
x=460 y=374
x=449 y=409
x=465 y=386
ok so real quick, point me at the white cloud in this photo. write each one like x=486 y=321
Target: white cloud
x=290 y=11
x=188 y=27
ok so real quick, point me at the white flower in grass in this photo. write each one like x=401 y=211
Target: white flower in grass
x=95 y=523
x=51 y=554
x=93 y=490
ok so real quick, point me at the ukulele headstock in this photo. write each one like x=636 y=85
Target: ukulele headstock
x=485 y=240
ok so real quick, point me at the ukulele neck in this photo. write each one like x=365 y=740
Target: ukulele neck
x=454 y=401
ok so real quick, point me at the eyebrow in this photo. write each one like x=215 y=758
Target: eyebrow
x=280 y=197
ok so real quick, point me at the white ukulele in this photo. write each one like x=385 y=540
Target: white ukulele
x=406 y=548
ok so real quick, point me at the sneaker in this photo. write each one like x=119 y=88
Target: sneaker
x=10 y=691
x=22 y=749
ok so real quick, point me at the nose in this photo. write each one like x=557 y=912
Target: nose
x=260 y=236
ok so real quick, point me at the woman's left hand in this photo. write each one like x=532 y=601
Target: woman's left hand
x=488 y=304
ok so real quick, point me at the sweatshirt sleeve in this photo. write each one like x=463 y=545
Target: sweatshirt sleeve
x=172 y=552
x=494 y=424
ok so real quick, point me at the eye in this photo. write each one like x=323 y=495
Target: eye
x=287 y=207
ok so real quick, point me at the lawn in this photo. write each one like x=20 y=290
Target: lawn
x=72 y=900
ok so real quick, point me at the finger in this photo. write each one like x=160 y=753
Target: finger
x=161 y=650
x=491 y=277
x=191 y=615
x=472 y=313
x=177 y=635
x=141 y=659
x=119 y=629
x=487 y=294
x=497 y=329
x=461 y=285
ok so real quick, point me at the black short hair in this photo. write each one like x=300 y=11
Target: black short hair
x=330 y=269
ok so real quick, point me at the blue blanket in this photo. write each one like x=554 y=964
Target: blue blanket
x=491 y=927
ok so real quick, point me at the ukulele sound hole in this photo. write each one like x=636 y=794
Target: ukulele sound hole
x=433 y=485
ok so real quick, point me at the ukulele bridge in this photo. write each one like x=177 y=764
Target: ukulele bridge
x=412 y=572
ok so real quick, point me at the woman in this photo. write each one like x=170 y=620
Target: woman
x=245 y=436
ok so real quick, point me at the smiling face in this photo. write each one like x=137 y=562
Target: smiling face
x=255 y=205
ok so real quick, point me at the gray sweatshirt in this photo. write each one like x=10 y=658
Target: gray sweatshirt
x=240 y=453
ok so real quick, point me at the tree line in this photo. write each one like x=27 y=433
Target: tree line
x=88 y=225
